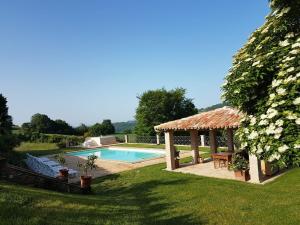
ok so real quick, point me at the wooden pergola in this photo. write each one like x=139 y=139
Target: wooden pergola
x=225 y=118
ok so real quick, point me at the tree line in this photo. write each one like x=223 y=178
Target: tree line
x=41 y=123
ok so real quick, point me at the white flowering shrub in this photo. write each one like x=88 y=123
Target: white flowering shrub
x=264 y=83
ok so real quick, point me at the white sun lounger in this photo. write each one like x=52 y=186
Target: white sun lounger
x=46 y=166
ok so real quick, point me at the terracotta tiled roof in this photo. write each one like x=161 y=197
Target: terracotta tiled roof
x=221 y=118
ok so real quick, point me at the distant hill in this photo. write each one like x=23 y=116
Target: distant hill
x=220 y=105
x=120 y=127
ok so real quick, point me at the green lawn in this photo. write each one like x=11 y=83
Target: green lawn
x=39 y=149
x=151 y=195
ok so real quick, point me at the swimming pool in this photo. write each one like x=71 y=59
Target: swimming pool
x=125 y=155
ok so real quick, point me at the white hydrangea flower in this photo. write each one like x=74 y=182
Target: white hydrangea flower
x=296 y=101
x=290 y=35
x=267 y=148
x=291 y=116
x=296 y=45
x=263 y=122
x=246 y=131
x=281 y=102
x=256 y=63
x=297 y=121
x=272 y=113
x=259 y=150
x=278 y=130
x=244 y=145
x=253 y=121
x=290 y=69
x=252 y=40
x=263 y=116
x=283 y=148
x=272 y=96
x=284 y=43
x=289 y=79
x=279 y=122
x=276 y=83
x=281 y=91
x=274 y=105
x=277 y=136
x=274 y=157
x=271 y=129
x=295 y=52
x=253 y=135
x=296 y=146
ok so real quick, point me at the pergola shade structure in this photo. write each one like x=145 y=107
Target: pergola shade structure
x=223 y=118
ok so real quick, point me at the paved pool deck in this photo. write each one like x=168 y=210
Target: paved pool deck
x=108 y=167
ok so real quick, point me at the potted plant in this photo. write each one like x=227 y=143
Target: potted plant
x=177 y=158
x=86 y=179
x=240 y=166
x=63 y=173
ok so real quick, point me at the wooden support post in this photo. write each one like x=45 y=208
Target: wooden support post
x=213 y=140
x=170 y=150
x=195 y=146
x=230 y=140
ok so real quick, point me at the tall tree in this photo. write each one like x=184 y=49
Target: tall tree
x=159 y=106
x=42 y=123
x=264 y=83
x=107 y=127
x=7 y=140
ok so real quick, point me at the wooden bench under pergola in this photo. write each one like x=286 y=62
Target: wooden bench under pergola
x=225 y=118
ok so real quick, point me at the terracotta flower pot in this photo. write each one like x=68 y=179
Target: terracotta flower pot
x=63 y=174
x=242 y=175
x=85 y=182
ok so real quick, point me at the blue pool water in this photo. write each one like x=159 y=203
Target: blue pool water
x=119 y=155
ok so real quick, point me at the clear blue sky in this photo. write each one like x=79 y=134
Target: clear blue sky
x=84 y=61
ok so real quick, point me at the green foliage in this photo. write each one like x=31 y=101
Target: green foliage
x=107 y=127
x=104 y=128
x=240 y=161
x=159 y=106
x=7 y=140
x=82 y=129
x=89 y=164
x=56 y=138
x=124 y=127
x=264 y=84
x=60 y=158
x=43 y=124
x=217 y=106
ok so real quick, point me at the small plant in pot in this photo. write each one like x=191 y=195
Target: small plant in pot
x=86 y=179
x=177 y=158
x=240 y=166
x=63 y=173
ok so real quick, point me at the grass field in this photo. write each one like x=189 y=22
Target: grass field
x=39 y=149
x=151 y=195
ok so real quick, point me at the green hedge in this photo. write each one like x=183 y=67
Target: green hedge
x=56 y=138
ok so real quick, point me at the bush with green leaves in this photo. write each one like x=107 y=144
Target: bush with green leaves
x=7 y=140
x=264 y=83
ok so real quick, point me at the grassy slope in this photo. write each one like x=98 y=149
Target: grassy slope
x=153 y=196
